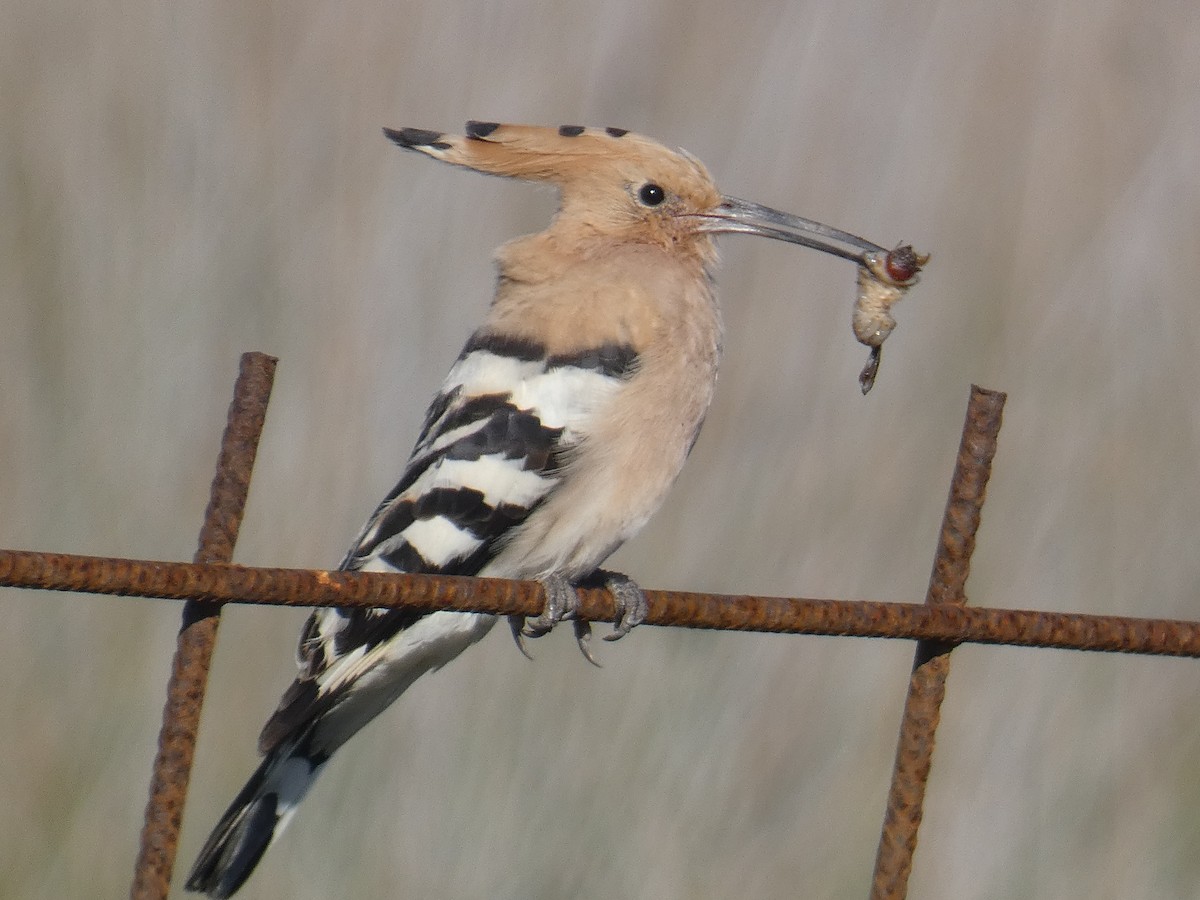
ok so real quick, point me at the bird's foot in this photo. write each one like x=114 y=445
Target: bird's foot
x=562 y=602
x=630 y=601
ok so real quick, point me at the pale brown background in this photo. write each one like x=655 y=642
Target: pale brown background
x=180 y=182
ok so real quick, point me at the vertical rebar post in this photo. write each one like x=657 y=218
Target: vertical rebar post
x=198 y=633
x=927 y=686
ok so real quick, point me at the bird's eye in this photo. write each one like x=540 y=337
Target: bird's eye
x=651 y=194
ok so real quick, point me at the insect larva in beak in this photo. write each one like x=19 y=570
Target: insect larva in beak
x=883 y=279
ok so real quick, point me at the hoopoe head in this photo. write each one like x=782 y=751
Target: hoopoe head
x=613 y=185
x=616 y=185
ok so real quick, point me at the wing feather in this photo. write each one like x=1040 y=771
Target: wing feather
x=490 y=451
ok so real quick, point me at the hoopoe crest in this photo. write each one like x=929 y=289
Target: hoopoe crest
x=555 y=436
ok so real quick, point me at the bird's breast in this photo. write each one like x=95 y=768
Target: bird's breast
x=638 y=368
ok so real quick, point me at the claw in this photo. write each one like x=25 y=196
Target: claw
x=517 y=624
x=583 y=637
x=630 y=602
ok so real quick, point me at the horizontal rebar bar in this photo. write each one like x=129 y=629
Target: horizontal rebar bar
x=850 y=618
x=198 y=633
x=931 y=662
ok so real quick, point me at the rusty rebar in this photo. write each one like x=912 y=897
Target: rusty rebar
x=848 y=618
x=931 y=663
x=198 y=633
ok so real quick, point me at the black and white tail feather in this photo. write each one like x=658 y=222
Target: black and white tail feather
x=257 y=815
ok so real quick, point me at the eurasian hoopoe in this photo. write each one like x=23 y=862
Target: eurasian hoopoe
x=554 y=438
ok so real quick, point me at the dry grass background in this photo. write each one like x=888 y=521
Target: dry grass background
x=182 y=182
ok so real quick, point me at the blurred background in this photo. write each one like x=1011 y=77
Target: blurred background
x=183 y=182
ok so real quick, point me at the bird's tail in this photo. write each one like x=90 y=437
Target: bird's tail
x=256 y=817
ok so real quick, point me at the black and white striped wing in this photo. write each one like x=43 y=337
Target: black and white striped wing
x=488 y=454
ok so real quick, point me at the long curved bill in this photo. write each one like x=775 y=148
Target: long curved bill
x=883 y=275
x=736 y=216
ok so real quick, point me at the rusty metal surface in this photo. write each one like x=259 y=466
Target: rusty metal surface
x=931 y=665
x=852 y=618
x=197 y=636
